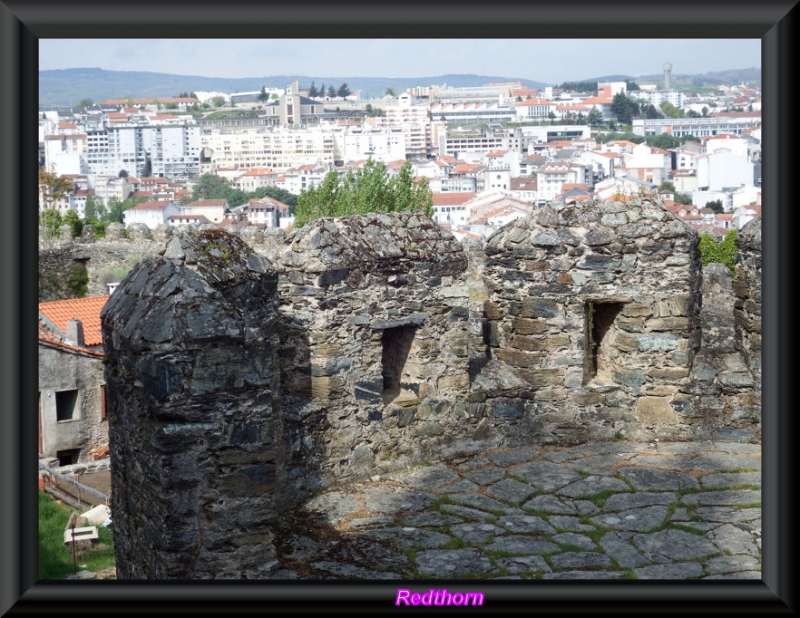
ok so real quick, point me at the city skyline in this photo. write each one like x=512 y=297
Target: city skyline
x=543 y=60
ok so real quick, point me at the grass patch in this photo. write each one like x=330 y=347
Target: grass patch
x=55 y=558
x=498 y=553
x=748 y=505
x=571 y=547
x=601 y=496
x=689 y=529
x=538 y=513
x=454 y=543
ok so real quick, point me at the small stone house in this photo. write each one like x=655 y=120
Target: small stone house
x=72 y=415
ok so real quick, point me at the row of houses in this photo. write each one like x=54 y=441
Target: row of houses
x=263 y=212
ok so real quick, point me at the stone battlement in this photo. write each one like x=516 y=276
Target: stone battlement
x=243 y=377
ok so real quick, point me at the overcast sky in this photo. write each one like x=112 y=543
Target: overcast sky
x=544 y=60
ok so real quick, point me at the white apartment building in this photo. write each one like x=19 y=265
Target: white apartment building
x=721 y=170
x=552 y=176
x=381 y=144
x=297 y=179
x=66 y=154
x=657 y=97
x=413 y=120
x=278 y=149
x=725 y=141
x=734 y=123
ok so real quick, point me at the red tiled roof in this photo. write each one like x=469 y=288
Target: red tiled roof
x=450 y=199
x=87 y=310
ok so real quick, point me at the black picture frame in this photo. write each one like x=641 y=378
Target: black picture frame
x=24 y=22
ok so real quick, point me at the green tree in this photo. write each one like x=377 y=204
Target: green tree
x=663 y=140
x=263 y=96
x=716 y=206
x=123 y=174
x=580 y=86
x=667 y=186
x=670 y=110
x=343 y=90
x=75 y=223
x=723 y=252
x=594 y=117
x=331 y=92
x=624 y=108
x=50 y=223
x=683 y=198
x=390 y=92
x=218 y=101
x=206 y=185
x=312 y=91
x=370 y=189
x=53 y=189
x=94 y=210
x=85 y=103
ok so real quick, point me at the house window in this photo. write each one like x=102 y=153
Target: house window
x=67 y=458
x=67 y=405
x=599 y=337
x=396 y=344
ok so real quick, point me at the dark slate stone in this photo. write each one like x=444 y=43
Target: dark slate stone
x=417 y=319
x=207 y=320
x=601 y=236
x=458 y=313
x=160 y=378
x=369 y=390
x=598 y=262
x=491 y=334
x=506 y=408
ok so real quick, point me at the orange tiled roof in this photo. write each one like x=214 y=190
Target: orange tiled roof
x=450 y=199
x=87 y=310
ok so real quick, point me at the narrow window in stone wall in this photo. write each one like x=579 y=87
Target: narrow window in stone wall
x=103 y=402
x=598 y=339
x=67 y=405
x=396 y=348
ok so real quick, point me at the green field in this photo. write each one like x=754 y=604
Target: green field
x=55 y=558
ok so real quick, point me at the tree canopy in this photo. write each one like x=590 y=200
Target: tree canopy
x=723 y=252
x=370 y=189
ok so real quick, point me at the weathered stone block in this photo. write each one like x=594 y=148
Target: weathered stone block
x=526 y=326
x=505 y=408
x=673 y=324
x=670 y=374
x=518 y=359
x=653 y=410
x=636 y=310
x=538 y=378
x=586 y=398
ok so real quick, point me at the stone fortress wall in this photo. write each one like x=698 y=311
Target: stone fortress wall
x=250 y=370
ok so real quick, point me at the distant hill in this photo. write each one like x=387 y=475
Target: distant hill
x=65 y=87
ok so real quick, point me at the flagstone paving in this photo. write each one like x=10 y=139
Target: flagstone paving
x=606 y=510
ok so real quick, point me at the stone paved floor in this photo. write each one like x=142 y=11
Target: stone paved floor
x=607 y=510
